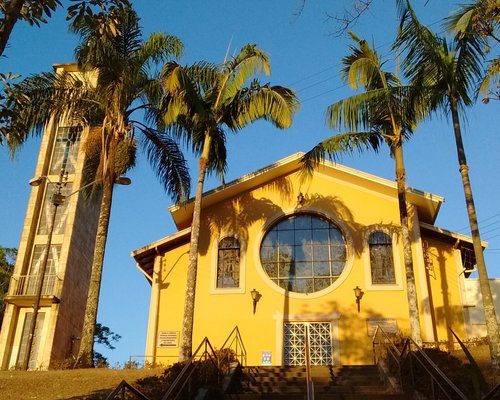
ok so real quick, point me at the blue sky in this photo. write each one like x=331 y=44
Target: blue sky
x=305 y=56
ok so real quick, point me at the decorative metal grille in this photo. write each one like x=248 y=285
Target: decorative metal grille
x=320 y=343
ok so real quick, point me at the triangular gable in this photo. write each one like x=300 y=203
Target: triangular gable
x=427 y=204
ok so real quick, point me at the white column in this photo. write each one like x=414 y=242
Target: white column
x=421 y=276
x=153 y=311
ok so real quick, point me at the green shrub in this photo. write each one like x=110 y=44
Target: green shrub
x=205 y=375
x=456 y=371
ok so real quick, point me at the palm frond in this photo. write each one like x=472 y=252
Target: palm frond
x=159 y=48
x=180 y=92
x=249 y=62
x=480 y=18
x=460 y=20
x=204 y=76
x=217 y=160
x=333 y=147
x=168 y=162
x=357 y=112
x=451 y=69
x=491 y=79
x=469 y=65
x=362 y=67
x=276 y=104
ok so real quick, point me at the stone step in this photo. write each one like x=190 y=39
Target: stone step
x=344 y=382
x=317 y=396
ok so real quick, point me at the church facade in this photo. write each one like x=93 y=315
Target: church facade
x=306 y=266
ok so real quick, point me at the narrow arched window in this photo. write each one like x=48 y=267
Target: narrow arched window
x=228 y=263
x=381 y=261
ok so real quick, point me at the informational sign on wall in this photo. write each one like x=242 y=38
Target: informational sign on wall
x=168 y=339
x=267 y=357
x=389 y=325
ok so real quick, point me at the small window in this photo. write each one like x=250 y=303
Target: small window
x=381 y=261
x=468 y=258
x=48 y=210
x=228 y=263
x=50 y=276
x=66 y=149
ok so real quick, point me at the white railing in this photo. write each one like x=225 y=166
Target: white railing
x=26 y=285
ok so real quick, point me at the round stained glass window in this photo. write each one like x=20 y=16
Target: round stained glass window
x=303 y=253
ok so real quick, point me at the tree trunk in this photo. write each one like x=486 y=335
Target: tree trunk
x=85 y=355
x=411 y=288
x=489 y=307
x=186 y=347
x=12 y=14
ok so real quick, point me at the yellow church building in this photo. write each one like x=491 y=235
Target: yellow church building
x=321 y=260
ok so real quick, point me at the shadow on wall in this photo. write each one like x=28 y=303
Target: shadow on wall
x=445 y=313
x=235 y=217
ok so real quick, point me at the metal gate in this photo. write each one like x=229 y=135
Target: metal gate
x=307 y=339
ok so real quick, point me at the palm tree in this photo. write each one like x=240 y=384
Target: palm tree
x=384 y=112
x=201 y=103
x=447 y=72
x=117 y=82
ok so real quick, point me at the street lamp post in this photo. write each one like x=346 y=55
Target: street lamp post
x=57 y=200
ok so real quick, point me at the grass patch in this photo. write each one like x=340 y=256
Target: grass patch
x=77 y=384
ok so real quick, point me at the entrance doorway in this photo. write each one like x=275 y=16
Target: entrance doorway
x=32 y=364
x=302 y=339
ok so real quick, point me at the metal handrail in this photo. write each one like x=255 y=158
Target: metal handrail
x=121 y=390
x=144 y=360
x=434 y=369
x=409 y=352
x=181 y=379
x=234 y=338
x=492 y=393
x=25 y=285
x=390 y=349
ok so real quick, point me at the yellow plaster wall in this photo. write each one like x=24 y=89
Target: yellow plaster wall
x=248 y=215
x=172 y=283
x=444 y=282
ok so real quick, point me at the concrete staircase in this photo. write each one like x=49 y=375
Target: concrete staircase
x=280 y=383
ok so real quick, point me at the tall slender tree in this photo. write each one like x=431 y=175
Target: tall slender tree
x=118 y=81
x=7 y=261
x=201 y=103
x=447 y=72
x=386 y=112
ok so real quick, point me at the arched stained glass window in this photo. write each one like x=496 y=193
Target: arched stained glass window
x=381 y=261
x=228 y=263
